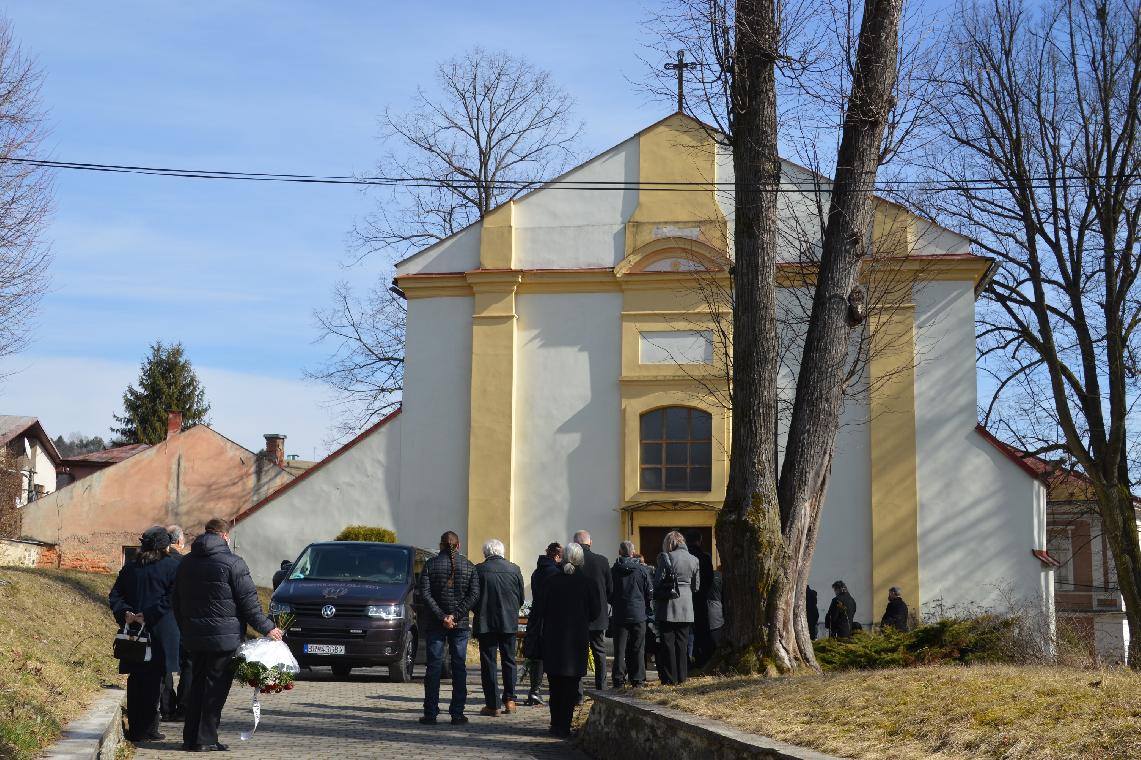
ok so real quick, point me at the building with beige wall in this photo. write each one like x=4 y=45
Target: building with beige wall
x=187 y=479
x=564 y=369
x=32 y=453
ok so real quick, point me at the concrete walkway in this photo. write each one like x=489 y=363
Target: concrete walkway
x=368 y=717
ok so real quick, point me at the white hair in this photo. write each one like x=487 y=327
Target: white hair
x=626 y=549
x=572 y=558
x=176 y=534
x=493 y=548
x=582 y=538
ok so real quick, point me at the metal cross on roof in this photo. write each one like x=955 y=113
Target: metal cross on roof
x=680 y=68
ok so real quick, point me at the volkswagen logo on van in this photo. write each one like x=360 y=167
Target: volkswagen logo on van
x=328 y=611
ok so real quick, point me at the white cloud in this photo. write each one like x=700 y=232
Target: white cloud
x=81 y=394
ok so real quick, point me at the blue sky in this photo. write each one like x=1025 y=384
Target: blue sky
x=235 y=270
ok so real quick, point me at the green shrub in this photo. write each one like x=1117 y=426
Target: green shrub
x=985 y=638
x=365 y=533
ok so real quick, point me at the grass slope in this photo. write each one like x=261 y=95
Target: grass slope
x=55 y=653
x=943 y=711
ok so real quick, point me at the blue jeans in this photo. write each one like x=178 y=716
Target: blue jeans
x=455 y=642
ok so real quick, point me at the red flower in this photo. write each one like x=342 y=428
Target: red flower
x=289 y=686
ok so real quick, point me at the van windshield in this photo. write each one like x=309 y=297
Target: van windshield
x=381 y=563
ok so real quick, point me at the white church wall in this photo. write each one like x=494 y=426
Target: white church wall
x=564 y=228
x=844 y=543
x=931 y=239
x=358 y=486
x=436 y=416
x=458 y=253
x=569 y=454
x=723 y=166
x=980 y=514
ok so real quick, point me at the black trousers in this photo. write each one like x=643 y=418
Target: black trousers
x=208 y=691
x=172 y=700
x=142 y=702
x=536 y=679
x=598 y=649
x=702 y=641
x=673 y=652
x=490 y=645
x=629 y=652
x=564 y=695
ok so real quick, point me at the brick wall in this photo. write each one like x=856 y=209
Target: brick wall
x=49 y=557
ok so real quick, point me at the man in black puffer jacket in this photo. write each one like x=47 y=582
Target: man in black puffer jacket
x=630 y=605
x=214 y=599
x=449 y=587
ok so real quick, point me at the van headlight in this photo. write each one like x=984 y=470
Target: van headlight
x=279 y=608
x=386 y=611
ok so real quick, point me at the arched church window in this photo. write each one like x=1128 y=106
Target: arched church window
x=677 y=452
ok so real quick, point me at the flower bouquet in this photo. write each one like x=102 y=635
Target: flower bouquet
x=265 y=679
x=268 y=667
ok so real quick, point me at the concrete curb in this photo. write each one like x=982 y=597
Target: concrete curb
x=633 y=729
x=95 y=736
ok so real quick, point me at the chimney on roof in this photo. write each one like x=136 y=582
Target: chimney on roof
x=173 y=423
x=275 y=448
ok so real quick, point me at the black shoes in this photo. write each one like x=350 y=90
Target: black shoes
x=430 y=720
x=219 y=747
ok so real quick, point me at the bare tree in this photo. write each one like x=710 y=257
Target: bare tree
x=366 y=369
x=494 y=127
x=25 y=196
x=1042 y=167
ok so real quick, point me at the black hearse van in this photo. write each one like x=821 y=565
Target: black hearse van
x=351 y=604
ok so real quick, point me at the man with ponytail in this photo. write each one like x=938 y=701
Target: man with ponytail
x=449 y=586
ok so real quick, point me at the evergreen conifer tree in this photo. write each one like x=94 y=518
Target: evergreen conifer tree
x=167 y=383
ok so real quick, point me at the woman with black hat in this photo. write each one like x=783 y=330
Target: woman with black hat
x=141 y=596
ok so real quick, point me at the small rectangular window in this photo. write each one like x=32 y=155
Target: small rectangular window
x=1060 y=547
x=676 y=347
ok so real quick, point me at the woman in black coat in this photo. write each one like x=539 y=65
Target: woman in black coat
x=141 y=595
x=563 y=611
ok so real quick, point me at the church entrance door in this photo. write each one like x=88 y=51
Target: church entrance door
x=650 y=538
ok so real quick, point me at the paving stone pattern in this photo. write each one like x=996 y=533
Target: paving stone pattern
x=366 y=716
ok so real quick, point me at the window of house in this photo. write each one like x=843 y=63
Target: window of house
x=1059 y=545
x=677 y=452
x=675 y=347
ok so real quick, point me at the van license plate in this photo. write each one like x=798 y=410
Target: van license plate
x=324 y=649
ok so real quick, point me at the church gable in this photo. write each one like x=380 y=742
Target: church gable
x=672 y=180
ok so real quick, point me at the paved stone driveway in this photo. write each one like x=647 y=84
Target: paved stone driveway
x=368 y=717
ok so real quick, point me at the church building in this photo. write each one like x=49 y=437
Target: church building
x=566 y=368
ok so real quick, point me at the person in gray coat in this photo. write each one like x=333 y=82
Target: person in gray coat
x=673 y=608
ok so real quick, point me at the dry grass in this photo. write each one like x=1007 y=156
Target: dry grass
x=55 y=653
x=948 y=711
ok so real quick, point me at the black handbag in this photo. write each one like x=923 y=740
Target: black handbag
x=133 y=648
x=667 y=588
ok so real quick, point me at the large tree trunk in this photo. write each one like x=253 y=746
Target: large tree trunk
x=748 y=527
x=1119 y=524
x=825 y=359
x=768 y=532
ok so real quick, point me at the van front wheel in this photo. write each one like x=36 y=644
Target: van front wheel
x=401 y=670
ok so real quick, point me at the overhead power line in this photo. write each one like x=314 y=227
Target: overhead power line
x=975 y=183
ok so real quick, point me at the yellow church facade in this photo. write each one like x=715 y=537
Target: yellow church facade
x=566 y=368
